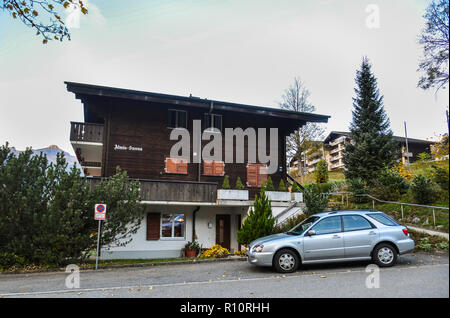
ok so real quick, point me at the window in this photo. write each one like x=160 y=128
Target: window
x=355 y=223
x=212 y=121
x=213 y=168
x=175 y=165
x=172 y=225
x=329 y=225
x=177 y=119
x=303 y=226
x=256 y=174
x=383 y=219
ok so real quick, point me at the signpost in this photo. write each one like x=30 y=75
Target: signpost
x=99 y=214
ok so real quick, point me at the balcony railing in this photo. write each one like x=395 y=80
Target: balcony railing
x=86 y=132
x=174 y=191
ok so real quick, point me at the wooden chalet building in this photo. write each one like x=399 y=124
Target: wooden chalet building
x=131 y=129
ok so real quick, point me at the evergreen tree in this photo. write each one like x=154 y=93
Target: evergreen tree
x=321 y=172
x=259 y=222
x=239 y=185
x=226 y=183
x=372 y=147
x=269 y=185
x=282 y=186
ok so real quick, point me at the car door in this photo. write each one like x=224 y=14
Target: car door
x=327 y=243
x=359 y=236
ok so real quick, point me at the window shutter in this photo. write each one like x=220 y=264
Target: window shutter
x=208 y=166
x=153 y=226
x=219 y=168
x=252 y=175
x=171 y=166
x=256 y=174
x=181 y=166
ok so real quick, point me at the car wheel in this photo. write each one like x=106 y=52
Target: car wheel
x=286 y=261
x=384 y=255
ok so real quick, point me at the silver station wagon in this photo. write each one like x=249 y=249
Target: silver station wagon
x=337 y=236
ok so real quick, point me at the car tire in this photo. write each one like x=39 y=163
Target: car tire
x=384 y=255
x=286 y=261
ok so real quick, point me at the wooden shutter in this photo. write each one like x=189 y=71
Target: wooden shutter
x=208 y=167
x=153 y=226
x=256 y=174
x=175 y=165
x=219 y=168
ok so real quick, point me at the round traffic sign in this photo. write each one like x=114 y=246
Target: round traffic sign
x=100 y=208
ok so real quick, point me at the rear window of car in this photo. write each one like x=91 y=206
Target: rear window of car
x=383 y=219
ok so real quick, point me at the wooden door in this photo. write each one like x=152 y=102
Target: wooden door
x=223 y=230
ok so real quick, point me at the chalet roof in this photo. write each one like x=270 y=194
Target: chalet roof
x=336 y=134
x=84 y=90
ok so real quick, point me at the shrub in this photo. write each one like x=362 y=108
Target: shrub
x=239 y=185
x=389 y=185
x=269 y=185
x=315 y=200
x=215 y=251
x=422 y=190
x=226 y=183
x=321 y=172
x=357 y=187
x=289 y=223
x=282 y=186
x=296 y=188
x=424 y=244
x=440 y=177
x=259 y=222
x=192 y=245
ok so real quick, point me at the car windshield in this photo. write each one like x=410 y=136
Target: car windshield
x=303 y=226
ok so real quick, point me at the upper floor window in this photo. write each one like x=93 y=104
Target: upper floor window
x=212 y=121
x=177 y=119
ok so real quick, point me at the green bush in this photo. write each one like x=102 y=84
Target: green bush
x=389 y=186
x=321 y=172
x=422 y=190
x=282 y=186
x=295 y=187
x=269 y=185
x=226 y=183
x=357 y=187
x=440 y=177
x=259 y=222
x=289 y=223
x=315 y=200
x=239 y=185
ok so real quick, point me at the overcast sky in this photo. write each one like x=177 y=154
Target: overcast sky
x=237 y=50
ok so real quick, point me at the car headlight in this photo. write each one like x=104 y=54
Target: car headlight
x=257 y=248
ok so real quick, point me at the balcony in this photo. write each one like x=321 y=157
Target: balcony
x=87 y=142
x=170 y=192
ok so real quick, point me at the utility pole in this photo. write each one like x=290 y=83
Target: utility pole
x=407 y=150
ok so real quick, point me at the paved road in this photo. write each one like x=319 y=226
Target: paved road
x=415 y=275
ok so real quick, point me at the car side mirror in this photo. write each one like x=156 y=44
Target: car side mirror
x=311 y=233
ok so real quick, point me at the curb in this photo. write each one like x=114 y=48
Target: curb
x=105 y=267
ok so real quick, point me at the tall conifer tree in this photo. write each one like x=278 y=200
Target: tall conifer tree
x=372 y=147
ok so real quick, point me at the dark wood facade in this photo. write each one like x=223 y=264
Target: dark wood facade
x=140 y=120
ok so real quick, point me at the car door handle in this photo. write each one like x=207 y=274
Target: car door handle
x=336 y=236
x=372 y=233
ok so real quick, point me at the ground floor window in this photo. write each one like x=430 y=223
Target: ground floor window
x=172 y=225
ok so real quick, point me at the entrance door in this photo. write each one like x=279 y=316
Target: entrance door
x=223 y=230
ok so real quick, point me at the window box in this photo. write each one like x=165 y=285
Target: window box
x=227 y=194
x=279 y=196
x=297 y=196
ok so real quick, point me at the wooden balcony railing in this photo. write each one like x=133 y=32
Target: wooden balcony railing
x=175 y=191
x=87 y=132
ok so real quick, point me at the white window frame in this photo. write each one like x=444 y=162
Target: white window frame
x=172 y=237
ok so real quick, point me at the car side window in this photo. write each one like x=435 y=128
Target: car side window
x=355 y=223
x=329 y=225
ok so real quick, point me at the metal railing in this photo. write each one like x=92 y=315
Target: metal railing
x=402 y=204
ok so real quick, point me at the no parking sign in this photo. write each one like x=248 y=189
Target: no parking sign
x=100 y=212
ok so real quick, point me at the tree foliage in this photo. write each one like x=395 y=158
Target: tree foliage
x=296 y=98
x=372 y=147
x=239 y=184
x=259 y=222
x=46 y=212
x=435 y=42
x=44 y=16
x=321 y=172
x=315 y=200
